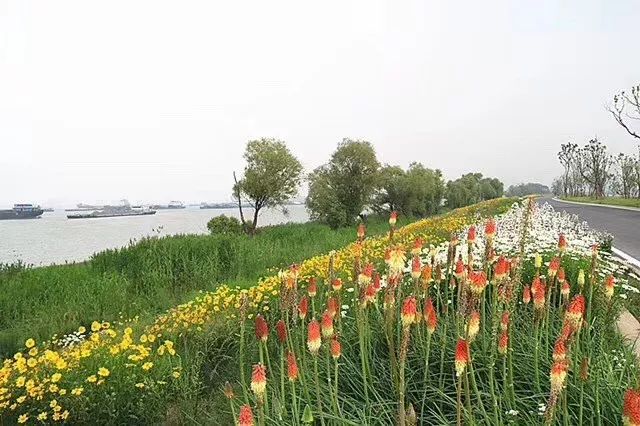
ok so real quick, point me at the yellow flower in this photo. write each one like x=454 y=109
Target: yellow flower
x=77 y=391
x=23 y=418
x=140 y=385
x=56 y=377
x=42 y=416
x=103 y=372
x=53 y=388
x=82 y=330
x=95 y=326
x=30 y=343
x=53 y=403
x=62 y=392
x=32 y=362
x=147 y=366
x=33 y=351
x=175 y=374
x=92 y=378
x=20 y=381
x=21 y=399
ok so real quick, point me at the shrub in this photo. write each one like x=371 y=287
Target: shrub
x=224 y=225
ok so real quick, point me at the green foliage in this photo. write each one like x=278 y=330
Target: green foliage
x=342 y=188
x=224 y=225
x=472 y=188
x=150 y=277
x=417 y=192
x=522 y=189
x=271 y=176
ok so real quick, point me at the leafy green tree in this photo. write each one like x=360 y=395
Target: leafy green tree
x=342 y=188
x=522 y=189
x=417 y=192
x=224 y=225
x=271 y=177
x=472 y=188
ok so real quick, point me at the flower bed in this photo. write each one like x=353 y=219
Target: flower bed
x=114 y=373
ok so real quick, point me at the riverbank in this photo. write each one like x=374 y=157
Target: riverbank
x=150 y=276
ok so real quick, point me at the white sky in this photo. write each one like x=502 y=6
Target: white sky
x=154 y=100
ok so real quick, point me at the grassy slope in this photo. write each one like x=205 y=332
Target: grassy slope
x=612 y=201
x=150 y=277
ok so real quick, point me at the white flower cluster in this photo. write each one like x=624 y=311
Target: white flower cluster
x=71 y=339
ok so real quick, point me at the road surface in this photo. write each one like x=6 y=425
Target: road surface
x=624 y=225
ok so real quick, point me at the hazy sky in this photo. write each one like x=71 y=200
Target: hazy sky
x=155 y=100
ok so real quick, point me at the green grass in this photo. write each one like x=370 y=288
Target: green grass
x=612 y=201
x=149 y=277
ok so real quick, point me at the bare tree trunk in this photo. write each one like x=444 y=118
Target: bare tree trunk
x=237 y=187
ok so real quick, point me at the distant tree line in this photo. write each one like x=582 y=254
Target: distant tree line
x=351 y=183
x=590 y=170
x=523 y=189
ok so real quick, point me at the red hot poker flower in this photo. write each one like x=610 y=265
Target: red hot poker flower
x=427 y=275
x=561 y=276
x=565 y=290
x=370 y=294
x=376 y=281
x=558 y=376
x=393 y=217
x=471 y=235
x=500 y=270
x=362 y=230
x=417 y=246
x=575 y=311
x=462 y=356
x=504 y=321
x=416 y=267
x=526 y=295
x=490 y=229
x=313 y=337
x=460 y=269
x=332 y=306
x=327 y=325
x=246 y=416
x=560 y=350
x=312 y=289
x=473 y=326
x=281 y=331
x=336 y=284
x=430 y=316
x=336 y=348
x=631 y=408
x=259 y=380
x=478 y=282
x=262 y=329
x=409 y=310
x=303 y=308
x=554 y=265
x=562 y=243
x=503 y=342
x=292 y=367
x=609 y=286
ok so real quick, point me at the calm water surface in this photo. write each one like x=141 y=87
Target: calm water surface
x=55 y=239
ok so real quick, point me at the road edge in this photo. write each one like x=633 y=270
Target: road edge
x=627 y=324
x=633 y=209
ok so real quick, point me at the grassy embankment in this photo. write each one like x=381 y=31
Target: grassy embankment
x=149 y=277
x=611 y=201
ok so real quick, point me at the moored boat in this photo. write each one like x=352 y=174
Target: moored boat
x=21 y=211
x=112 y=212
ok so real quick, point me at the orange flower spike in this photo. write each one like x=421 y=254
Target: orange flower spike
x=362 y=230
x=565 y=290
x=575 y=311
x=259 y=381
x=312 y=289
x=332 y=306
x=504 y=321
x=262 y=329
x=558 y=376
x=327 y=325
x=554 y=265
x=303 y=308
x=281 y=331
x=631 y=408
x=427 y=274
x=336 y=284
x=526 y=295
x=561 y=275
x=393 y=218
x=430 y=316
x=462 y=356
x=562 y=243
x=471 y=235
x=417 y=247
x=409 y=311
x=246 y=416
x=460 y=269
x=503 y=342
x=313 y=337
x=370 y=294
x=609 y=286
x=292 y=367
x=560 y=350
x=473 y=326
x=490 y=229
x=376 y=282
x=336 y=348
x=478 y=282
x=500 y=270
x=416 y=267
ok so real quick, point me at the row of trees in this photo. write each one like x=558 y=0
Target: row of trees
x=590 y=170
x=524 y=189
x=353 y=181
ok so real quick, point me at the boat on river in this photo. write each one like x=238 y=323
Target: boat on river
x=21 y=211
x=113 y=211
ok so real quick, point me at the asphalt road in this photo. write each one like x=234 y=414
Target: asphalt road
x=624 y=225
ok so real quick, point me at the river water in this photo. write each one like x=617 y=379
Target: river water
x=55 y=239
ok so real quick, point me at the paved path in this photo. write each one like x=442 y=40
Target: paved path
x=624 y=225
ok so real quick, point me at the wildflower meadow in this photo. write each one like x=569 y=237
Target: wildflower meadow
x=502 y=312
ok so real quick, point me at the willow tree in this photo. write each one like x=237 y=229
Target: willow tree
x=271 y=178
